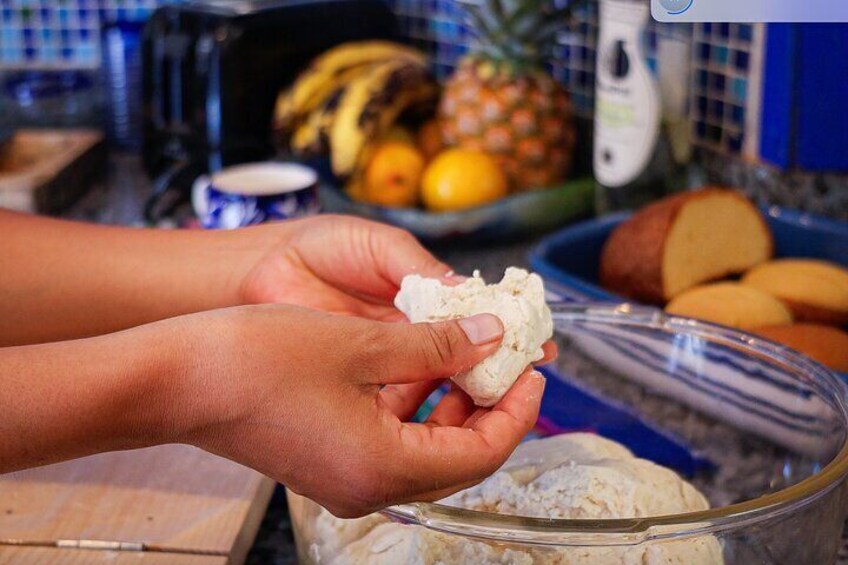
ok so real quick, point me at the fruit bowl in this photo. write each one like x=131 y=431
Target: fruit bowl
x=773 y=425
x=514 y=216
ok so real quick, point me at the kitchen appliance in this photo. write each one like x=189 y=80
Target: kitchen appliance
x=120 y=47
x=212 y=72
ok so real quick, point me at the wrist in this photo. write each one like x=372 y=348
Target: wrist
x=184 y=377
x=251 y=252
x=155 y=386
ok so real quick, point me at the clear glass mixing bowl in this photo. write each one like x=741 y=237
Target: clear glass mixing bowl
x=771 y=422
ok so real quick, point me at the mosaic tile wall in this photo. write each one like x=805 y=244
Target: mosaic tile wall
x=721 y=56
x=438 y=26
x=62 y=33
x=574 y=58
x=721 y=77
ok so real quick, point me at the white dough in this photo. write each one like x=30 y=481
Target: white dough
x=578 y=476
x=583 y=477
x=518 y=300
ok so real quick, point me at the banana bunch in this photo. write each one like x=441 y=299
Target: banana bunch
x=348 y=97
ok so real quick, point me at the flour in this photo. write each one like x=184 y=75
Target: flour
x=577 y=476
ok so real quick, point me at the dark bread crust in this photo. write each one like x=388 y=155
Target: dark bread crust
x=815 y=314
x=632 y=257
x=631 y=260
x=825 y=344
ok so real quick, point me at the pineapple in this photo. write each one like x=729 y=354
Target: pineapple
x=501 y=101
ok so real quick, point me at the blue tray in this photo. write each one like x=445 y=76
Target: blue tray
x=569 y=259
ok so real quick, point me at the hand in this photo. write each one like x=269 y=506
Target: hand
x=299 y=395
x=345 y=265
x=337 y=264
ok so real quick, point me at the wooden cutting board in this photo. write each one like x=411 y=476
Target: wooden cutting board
x=46 y=170
x=168 y=504
x=52 y=556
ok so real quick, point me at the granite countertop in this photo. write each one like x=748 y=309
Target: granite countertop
x=119 y=199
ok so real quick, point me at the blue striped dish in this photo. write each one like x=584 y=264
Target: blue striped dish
x=746 y=382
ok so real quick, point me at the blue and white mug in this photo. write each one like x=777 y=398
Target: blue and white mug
x=254 y=193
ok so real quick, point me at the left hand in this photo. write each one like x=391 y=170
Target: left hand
x=338 y=264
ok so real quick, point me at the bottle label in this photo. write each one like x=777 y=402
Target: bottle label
x=627 y=104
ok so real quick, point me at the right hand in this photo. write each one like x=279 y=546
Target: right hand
x=322 y=403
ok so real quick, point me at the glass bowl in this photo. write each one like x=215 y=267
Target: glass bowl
x=772 y=423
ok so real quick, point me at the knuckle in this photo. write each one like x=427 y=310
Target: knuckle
x=401 y=235
x=439 y=344
x=367 y=350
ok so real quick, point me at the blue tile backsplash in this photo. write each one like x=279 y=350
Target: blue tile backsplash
x=726 y=76
x=60 y=33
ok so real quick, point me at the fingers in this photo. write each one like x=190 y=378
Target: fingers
x=418 y=352
x=443 y=459
x=362 y=257
x=402 y=254
x=453 y=409
x=550 y=351
x=405 y=400
x=452 y=279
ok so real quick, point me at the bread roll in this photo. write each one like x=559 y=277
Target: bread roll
x=731 y=304
x=825 y=344
x=682 y=241
x=815 y=291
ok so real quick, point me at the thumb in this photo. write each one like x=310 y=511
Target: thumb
x=441 y=350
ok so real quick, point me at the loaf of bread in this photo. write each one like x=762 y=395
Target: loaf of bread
x=825 y=344
x=815 y=291
x=730 y=304
x=682 y=241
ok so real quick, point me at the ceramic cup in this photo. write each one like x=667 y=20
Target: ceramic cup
x=254 y=193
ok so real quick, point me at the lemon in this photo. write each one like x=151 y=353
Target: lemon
x=458 y=179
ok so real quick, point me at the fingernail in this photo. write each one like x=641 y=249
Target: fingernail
x=482 y=328
x=539 y=379
x=450 y=278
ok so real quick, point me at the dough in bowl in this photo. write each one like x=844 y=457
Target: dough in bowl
x=572 y=476
x=518 y=300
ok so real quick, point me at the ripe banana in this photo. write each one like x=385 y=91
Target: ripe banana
x=310 y=137
x=334 y=67
x=371 y=104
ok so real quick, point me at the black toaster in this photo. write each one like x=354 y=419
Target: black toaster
x=213 y=70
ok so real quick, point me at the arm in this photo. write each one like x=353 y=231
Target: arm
x=61 y=280
x=318 y=402
x=65 y=400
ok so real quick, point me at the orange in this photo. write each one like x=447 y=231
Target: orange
x=393 y=175
x=430 y=139
x=458 y=179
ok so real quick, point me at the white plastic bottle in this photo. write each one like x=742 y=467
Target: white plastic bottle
x=636 y=157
